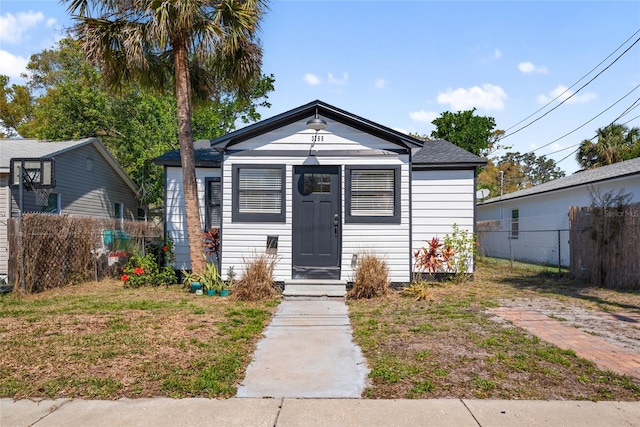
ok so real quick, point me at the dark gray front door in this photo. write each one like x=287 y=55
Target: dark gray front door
x=316 y=222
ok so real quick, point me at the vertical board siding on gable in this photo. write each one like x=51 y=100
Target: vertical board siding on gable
x=4 y=217
x=175 y=211
x=440 y=199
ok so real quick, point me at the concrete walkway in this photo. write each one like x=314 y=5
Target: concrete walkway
x=307 y=351
x=251 y=412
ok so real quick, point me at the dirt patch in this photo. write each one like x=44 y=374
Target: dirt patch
x=618 y=328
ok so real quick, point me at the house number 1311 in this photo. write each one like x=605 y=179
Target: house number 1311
x=317 y=138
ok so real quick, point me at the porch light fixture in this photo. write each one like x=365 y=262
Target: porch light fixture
x=316 y=123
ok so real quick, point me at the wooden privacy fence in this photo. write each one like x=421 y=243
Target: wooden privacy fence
x=59 y=250
x=605 y=245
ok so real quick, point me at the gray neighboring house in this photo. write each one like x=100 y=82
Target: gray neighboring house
x=320 y=198
x=526 y=222
x=89 y=182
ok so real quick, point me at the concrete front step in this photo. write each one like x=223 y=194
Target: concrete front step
x=302 y=289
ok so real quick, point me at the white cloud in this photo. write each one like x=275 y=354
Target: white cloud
x=529 y=67
x=336 y=81
x=488 y=97
x=423 y=116
x=497 y=54
x=311 y=79
x=380 y=83
x=11 y=65
x=564 y=94
x=13 y=26
x=401 y=130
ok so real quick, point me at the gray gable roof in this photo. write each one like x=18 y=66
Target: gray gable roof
x=324 y=110
x=205 y=155
x=445 y=154
x=13 y=147
x=431 y=154
x=591 y=176
x=16 y=148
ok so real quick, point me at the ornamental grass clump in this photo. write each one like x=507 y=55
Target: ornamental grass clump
x=371 y=277
x=256 y=283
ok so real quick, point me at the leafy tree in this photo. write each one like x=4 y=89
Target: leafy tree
x=466 y=130
x=202 y=47
x=615 y=143
x=136 y=124
x=15 y=106
x=519 y=171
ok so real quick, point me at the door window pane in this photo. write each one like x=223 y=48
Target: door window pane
x=317 y=183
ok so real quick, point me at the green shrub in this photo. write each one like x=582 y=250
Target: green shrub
x=150 y=269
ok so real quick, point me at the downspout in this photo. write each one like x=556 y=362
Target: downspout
x=475 y=217
x=410 y=214
x=222 y=152
x=164 y=213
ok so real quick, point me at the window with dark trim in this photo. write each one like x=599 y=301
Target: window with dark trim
x=213 y=214
x=372 y=194
x=118 y=210
x=515 y=223
x=259 y=193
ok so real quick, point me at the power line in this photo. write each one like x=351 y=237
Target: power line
x=570 y=87
x=573 y=94
x=596 y=135
x=590 y=120
x=576 y=150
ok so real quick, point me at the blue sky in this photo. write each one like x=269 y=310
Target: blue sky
x=402 y=64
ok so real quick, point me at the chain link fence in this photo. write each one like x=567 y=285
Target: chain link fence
x=546 y=247
x=51 y=251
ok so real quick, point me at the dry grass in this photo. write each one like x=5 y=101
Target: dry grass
x=446 y=344
x=371 y=278
x=256 y=283
x=99 y=340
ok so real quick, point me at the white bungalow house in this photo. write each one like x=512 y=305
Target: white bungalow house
x=532 y=225
x=318 y=186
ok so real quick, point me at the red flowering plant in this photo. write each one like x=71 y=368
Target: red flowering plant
x=150 y=269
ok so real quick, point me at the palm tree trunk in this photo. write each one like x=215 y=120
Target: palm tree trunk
x=187 y=156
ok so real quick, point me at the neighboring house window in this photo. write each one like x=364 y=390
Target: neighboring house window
x=53 y=204
x=213 y=203
x=372 y=194
x=142 y=214
x=258 y=193
x=118 y=210
x=515 y=219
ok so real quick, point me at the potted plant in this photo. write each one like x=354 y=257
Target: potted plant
x=225 y=285
x=210 y=279
x=191 y=281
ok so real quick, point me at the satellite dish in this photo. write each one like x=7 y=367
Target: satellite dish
x=482 y=193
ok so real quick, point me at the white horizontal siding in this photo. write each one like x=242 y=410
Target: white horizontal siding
x=440 y=199
x=176 y=223
x=296 y=137
x=389 y=241
x=242 y=240
x=4 y=217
